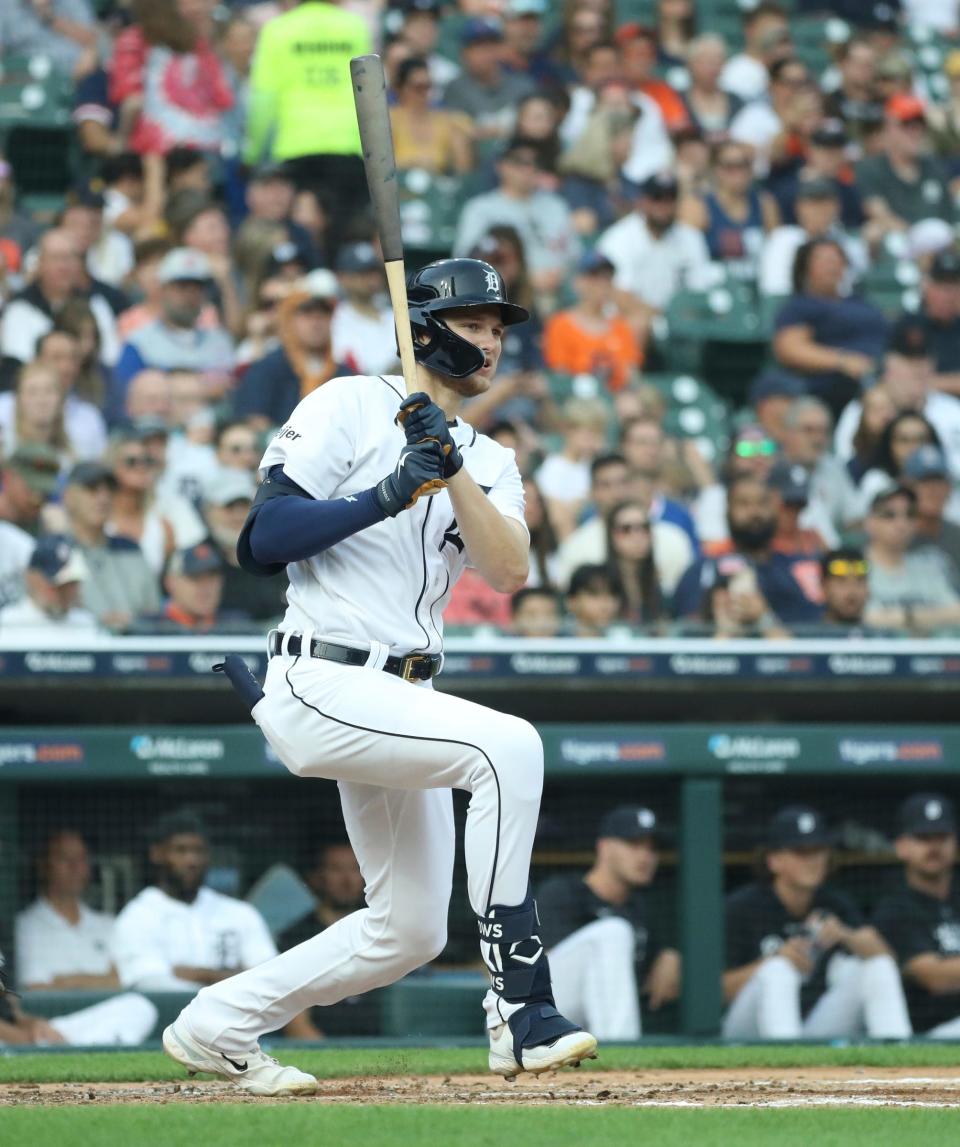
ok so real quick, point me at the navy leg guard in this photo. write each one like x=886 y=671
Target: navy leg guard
x=240 y=678
x=520 y=974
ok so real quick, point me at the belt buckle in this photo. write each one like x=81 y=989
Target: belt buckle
x=409 y=664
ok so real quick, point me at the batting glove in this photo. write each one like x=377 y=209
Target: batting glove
x=421 y=418
x=419 y=471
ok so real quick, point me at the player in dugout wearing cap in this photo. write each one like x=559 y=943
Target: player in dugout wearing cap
x=801 y=961
x=921 y=921
x=605 y=954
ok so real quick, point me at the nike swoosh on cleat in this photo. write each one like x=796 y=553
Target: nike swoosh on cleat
x=238 y=1066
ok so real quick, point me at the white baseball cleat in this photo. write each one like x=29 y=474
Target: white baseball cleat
x=565 y=1051
x=254 y=1071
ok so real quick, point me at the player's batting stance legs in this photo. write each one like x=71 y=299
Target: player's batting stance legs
x=370 y=570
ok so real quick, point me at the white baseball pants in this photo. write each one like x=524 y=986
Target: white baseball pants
x=595 y=979
x=396 y=750
x=863 y=997
x=126 y=1020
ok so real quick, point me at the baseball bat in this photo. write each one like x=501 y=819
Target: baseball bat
x=376 y=139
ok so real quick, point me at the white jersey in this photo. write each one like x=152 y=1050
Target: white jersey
x=48 y=945
x=391 y=582
x=156 y=933
x=16 y=547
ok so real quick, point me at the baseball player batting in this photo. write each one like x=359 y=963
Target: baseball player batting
x=348 y=692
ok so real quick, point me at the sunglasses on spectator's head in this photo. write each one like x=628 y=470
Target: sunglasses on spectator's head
x=139 y=461
x=845 y=567
x=661 y=196
x=765 y=448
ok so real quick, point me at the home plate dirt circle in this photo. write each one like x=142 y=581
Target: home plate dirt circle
x=747 y=1087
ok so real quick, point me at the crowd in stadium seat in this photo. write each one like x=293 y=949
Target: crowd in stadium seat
x=736 y=408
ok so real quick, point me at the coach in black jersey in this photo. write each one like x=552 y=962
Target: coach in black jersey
x=800 y=959
x=921 y=922
x=603 y=951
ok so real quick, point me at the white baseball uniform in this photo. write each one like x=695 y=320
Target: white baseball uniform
x=395 y=747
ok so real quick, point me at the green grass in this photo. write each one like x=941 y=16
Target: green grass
x=333 y=1063
x=310 y=1123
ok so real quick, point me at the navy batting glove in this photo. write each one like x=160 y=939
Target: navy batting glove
x=419 y=470
x=421 y=418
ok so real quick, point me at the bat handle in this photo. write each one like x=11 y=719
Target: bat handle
x=397 y=284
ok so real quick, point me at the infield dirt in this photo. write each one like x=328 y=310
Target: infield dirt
x=756 y=1087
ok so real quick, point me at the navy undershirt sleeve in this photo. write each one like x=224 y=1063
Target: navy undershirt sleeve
x=292 y=529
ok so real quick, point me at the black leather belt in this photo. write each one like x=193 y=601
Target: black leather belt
x=412 y=667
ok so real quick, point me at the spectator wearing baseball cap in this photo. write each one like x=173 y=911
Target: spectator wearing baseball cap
x=939 y=313
x=927 y=474
x=816 y=208
x=903 y=184
x=272 y=386
x=53 y=580
x=803 y=545
x=364 y=337
x=606 y=951
x=194 y=586
x=770 y=396
x=541 y=218
x=826 y=158
x=653 y=252
x=120 y=585
x=176 y=340
x=592 y=336
x=785 y=929
x=911 y=590
x=28 y=478
x=225 y=502
x=485 y=90
x=920 y=919
x=524 y=52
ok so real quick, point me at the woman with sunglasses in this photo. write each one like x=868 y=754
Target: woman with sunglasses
x=136 y=514
x=735 y=214
x=904 y=434
x=426 y=137
x=631 y=565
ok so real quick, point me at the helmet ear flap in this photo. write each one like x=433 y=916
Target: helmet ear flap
x=445 y=352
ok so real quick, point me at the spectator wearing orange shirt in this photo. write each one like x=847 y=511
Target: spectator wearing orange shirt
x=639 y=48
x=592 y=337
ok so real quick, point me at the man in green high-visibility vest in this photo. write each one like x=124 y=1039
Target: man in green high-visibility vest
x=301 y=103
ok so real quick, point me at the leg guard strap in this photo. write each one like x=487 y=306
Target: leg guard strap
x=535 y=1025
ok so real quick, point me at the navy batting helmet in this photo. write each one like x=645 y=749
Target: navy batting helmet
x=447 y=285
